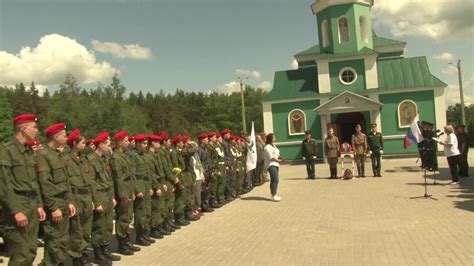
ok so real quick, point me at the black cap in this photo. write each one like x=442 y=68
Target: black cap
x=373 y=125
x=307 y=132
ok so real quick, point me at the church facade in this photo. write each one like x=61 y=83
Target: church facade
x=353 y=76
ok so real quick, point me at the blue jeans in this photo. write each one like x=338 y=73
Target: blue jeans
x=273 y=170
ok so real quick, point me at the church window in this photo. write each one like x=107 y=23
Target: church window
x=364 y=35
x=297 y=122
x=325 y=33
x=343 y=29
x=347 y=75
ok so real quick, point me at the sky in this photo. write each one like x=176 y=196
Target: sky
x=205 y=45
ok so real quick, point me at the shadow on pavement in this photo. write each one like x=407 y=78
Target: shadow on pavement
x=256 y=198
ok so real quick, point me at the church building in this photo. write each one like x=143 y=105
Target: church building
x=353 y=76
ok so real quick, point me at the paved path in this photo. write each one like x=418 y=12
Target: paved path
x=371 y=221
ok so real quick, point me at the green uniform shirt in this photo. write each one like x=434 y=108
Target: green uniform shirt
x=331 y=147
x=79 y=171
x=102 y=180
x=217 y=155
x=165 y=160
x=142 y=172
x=155 y=169
x=121 y=172
x=375 y=141
x=308 y=148
x=177 y=159
x=53 y=178
x=18 y=174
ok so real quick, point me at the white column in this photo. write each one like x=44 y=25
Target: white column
x=267 y=117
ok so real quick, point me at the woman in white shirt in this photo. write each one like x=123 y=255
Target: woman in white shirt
x=452 y=153
x=272 y=164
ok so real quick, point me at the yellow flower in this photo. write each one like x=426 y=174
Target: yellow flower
x=176 y=170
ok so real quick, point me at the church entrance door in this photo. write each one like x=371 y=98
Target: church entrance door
x=347 y=123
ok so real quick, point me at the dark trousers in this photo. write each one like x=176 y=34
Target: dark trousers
x=310 y=167
x=375 y=156
x=274 y=179
x=463 y=166
x=453 y=162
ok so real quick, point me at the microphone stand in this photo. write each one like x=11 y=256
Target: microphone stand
x=426 y=195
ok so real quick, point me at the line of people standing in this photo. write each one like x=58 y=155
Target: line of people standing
x=77 y=187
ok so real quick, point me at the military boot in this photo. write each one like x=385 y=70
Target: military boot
x=76 y=262
x=180 y=220
x=147 y=237
x=141 y=239
x=100 y=258
x=85 y=258
x=162 y=230
x=108 y=254
x=123 y=247
x=156 y=234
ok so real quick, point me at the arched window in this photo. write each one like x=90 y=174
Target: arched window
x=343 y=24
x=364 y=32
x=407 y=111
x=325 y=33
x=296 y=122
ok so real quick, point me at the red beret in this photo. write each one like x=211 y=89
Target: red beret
x=140 y=137
x=225 y=131
x=53 y=129
x=24 y=118
x=33 y=142
x=75 y=134
x=164 y=135
x=89 y=141
x=211 y=134
x=131 y=138
x=155 y=138
x=218 y=135
x=176 y=139
x=103 y=136
x=186 y=138
x=120 y=135
x=203 y=136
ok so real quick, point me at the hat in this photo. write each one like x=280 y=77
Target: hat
x=373 y=125
x=218 y=135
x=33 y=142
x=89 y=141
x=225 y=131
x=24 y=118
x=103 y=136
x=186 y=138
x=56 y=128
x=211 y=134
x=307 y=132
x=176 y=139
x=120 y=135
x=140 y=137
x=164 y=136
x=202 y=136
x=75 y=134
x=155 y=138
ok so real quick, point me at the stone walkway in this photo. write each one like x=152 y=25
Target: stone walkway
x=370 y=221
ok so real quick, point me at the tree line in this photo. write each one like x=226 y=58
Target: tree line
x=107 y=107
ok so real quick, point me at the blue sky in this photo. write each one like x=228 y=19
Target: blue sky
x=200 y=44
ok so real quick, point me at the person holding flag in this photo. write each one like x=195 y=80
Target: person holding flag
x=413 y=135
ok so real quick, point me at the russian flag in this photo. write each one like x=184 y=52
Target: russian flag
x=413 y=135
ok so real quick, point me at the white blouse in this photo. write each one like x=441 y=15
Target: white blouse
x=271 y=152
x=453 y=150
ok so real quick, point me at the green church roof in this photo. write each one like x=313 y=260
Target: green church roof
x=402 y=73
x=378 y=42
x=406 y=73
x=293 y=84
x=363 y=51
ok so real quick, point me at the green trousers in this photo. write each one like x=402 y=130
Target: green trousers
x=157 y=209
x=102 y=223
x=21 y=242
x=56 y=236
x=142 y=207
x=80 y=227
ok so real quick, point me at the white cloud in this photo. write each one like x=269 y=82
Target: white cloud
x=229 y=88
x=449 y=70
x=265 y=85
x=50 y=61
x=131 y=51
x=294 y=64
x=243 y=73
x=452 y=93
x=444 y=56
x=439 y=20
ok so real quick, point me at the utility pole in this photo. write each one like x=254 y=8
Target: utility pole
x=463 y=112
x=242 y=100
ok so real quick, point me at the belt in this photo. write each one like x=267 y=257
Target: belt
x=104 y=189
x=25 y=193
x=80 y=190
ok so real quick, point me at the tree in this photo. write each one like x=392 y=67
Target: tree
x=6 y=114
